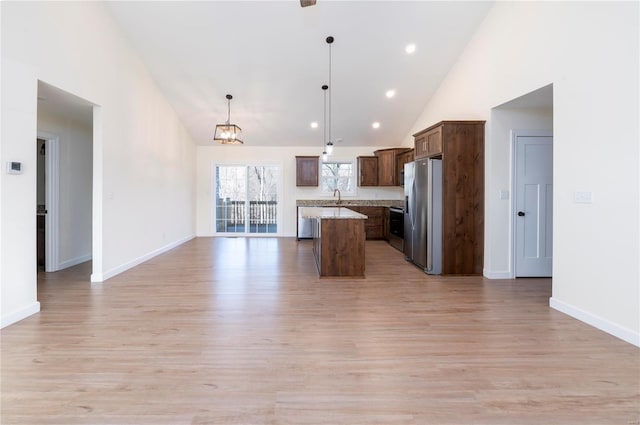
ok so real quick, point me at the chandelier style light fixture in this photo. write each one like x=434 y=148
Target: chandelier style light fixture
x=227 y=133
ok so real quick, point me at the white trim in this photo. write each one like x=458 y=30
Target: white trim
x=74 y=261
x=101 y=277
x=52 y=196
x=598 y=322
x=514 y=134
x=97 y=204
x=489 y=274
x=16 y=316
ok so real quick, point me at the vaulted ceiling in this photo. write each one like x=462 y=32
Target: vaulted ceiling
x=273 y=58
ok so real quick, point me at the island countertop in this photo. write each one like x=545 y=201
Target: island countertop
x=330 y=213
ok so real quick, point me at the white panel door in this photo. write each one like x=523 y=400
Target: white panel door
x=534 y=206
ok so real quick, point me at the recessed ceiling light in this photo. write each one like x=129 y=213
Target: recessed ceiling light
x=375 y=125
x=314 y=125
x=390 y=93
x=410 y=48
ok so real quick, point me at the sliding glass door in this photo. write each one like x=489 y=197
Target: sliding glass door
x=246 y=199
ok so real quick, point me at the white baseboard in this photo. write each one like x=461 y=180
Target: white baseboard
x=497 y=275
x=101 y=277
x=74 y=261
x=598 y=322
x=16 y=316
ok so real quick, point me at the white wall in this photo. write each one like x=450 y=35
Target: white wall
x=18 y=192
x=144 y=181
x=589 y=52
x=207 y=156
x=75 y=147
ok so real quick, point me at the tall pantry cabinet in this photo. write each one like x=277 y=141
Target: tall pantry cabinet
x=460 y=145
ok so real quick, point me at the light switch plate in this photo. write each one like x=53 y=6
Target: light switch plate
x=504 y=194
x=583 y=197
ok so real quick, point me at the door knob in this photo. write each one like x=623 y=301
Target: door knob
x=520 y=213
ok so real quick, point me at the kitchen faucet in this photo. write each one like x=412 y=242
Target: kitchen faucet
x=339 y=196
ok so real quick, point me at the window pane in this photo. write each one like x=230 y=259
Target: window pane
x=263 y=199
x=246 y=199
x=339 y=175
x=231 y=187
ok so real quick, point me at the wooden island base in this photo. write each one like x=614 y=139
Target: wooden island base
x=340 y=248
x=338 y=241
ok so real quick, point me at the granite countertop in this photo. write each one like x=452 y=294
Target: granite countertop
x=330 y=212
x=353 y=202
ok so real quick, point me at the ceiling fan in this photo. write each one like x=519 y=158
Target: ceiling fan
x=305 y=3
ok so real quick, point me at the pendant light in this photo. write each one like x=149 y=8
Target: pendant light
x=325 y=154
x=227 y=133
x=328 y=144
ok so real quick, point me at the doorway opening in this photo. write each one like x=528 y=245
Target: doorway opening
x=64 y=179
x=47 y=201
x=522 y=158
x=41 y=212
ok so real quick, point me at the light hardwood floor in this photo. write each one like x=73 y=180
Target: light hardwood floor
x=242 y=331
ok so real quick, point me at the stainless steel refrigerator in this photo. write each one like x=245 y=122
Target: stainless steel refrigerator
x=423 y=214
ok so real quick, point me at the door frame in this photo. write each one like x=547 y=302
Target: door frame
x=52 y=199
x=514 y=134
x=279 y=208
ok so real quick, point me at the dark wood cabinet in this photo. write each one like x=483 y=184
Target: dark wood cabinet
x=385 y=223
x=428 y=142
x=338 y=247
x=402 y=159
x=307 y=170
x=367 y=171
x=388 y=167
x=374 y=224
x=460 y=145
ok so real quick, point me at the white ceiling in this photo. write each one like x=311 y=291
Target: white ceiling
x=273 y=58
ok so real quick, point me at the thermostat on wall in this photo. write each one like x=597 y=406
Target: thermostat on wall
x=14 y=167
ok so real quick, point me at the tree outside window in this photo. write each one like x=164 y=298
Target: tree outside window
x=338 y=175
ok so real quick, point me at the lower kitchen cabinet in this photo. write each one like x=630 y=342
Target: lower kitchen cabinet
x=374 y=225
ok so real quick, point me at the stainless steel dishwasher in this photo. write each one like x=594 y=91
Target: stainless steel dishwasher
x=304 y=226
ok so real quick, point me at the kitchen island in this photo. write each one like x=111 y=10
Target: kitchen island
x=338 y=240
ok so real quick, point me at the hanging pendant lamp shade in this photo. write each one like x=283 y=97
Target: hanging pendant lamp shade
x=328 y=144
x=227 y=133
x=325 y=154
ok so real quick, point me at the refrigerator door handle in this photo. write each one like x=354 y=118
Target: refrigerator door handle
x=414 y=211
x=430 y=216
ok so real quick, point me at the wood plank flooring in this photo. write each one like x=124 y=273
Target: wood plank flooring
x=242 y=331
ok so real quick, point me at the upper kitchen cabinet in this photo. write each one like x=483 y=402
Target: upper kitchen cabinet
x=367 y=171
x=428 y=142
x=307 y=170
x=388 y=172
x=402 y=159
